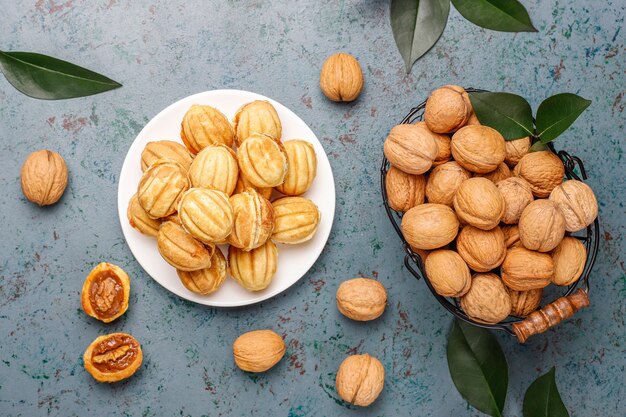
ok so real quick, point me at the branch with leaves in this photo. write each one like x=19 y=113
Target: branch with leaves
x=418 y=24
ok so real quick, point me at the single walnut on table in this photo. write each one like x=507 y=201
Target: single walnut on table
x=44 y=177
x=341 y=78
x=360 y=379
x=258 y=351
x=361 y=299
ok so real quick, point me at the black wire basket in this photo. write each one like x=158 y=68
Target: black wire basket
x=575 y=295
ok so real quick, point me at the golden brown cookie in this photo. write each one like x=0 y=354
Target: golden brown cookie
x=253 y=220
x=113 y=357
x=161 y=187
x=208 y=280
x=105 y=292
x=255 y=269
x=203 y=126
x=215 y=167
x=206 y=214
x=296 y=220
x=257 y=117
x=262 y=160
x=302 y=167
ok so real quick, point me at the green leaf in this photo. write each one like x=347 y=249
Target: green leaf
x=478 y=367
x=542 y=398
x=49 y=78
x=417 y=25
x=538 y=146
x=555 y=114
x=502 y=15
x=508 y=113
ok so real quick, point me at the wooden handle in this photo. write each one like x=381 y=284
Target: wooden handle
x=541 y=320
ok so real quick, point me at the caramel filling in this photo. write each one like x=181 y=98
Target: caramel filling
x=115 y=353
x=106 y=294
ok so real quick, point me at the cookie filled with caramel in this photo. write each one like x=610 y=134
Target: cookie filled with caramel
x=105 y=292
x=113 y=357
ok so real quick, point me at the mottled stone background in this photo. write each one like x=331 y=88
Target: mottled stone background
x=165 y=50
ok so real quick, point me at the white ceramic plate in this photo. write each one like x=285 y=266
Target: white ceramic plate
x=293 y=260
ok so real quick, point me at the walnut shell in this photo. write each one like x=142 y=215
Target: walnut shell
x=44 y=177
x=258 y=351
x=161 y=187
x=105 y=292
x=478 y=202
x=516 y=149
x=511 y=235
x=208 y=280
x=206 y=214
x=203 y=126
x=447 y=109
x=569 y=261
x=302 y=167
x=341 y=78
x=429 y=226
x=253 y=220
x=257 y=117
x=295 y=220
x=524 y=269
x=215 y=167
x=448 y=273
x=541 y=226
x=483 y=250
x=181 y=250
x=243 y=184
x=443 y=182
x=140 y=220
x=404 y=191
x=262 y=160
x=113 y=357
x=165 y=149
x=517 y=195
x=443 y=145
x=577 y=202
x=488 y=300
x=410 y=148
x=361 y=299
x=478 y=149
x=254 y=269
x=543 y=170
x=525 y=302
x=502 y=172
x=360 y=379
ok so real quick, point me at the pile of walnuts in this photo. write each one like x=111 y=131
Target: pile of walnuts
x=488 y=217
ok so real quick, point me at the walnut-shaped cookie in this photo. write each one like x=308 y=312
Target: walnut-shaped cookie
x=161 y=187
x=208 y=280
x=253 y=220
x=181 y=250
x=254 y=269
x=165 y=149
x=262 y=160
x=113 y=357
x=295 y=220
x=215 y=167
x=105 y=292
x=206 y=214
x=140 y=220
x=302 y=167
x=203 y=126
x=243 y=184
x=257 y=117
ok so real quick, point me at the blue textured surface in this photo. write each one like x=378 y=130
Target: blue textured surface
x=163 y=51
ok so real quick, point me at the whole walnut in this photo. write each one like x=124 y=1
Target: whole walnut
x=443 y=145
x=541 y=226
x=404 y=191
x=429 y=226
x=479 y=203
x=203 y=126
x=502 y=172
x=181 y=250
x=258 y=116
x=577 y=202
x=569 y=261
x=448 y=273
x=524 y=269
x=478 y=148
x=215 y=167
x=488 y=300
x=44 y=177
x=517 y=195
x=258 y=351
x=165 y=149
x=206 y=214
x=302 y=167
x=473 y=120
x=483 y=250
x=410 y=148
x=360 y=379
x=361 y=299
x=341 y=78
x=516 y=149
x=511 y=235
x=161 y=187
x=543 y=170
x=525 y=302
x=443 y=182
x=447 y=109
